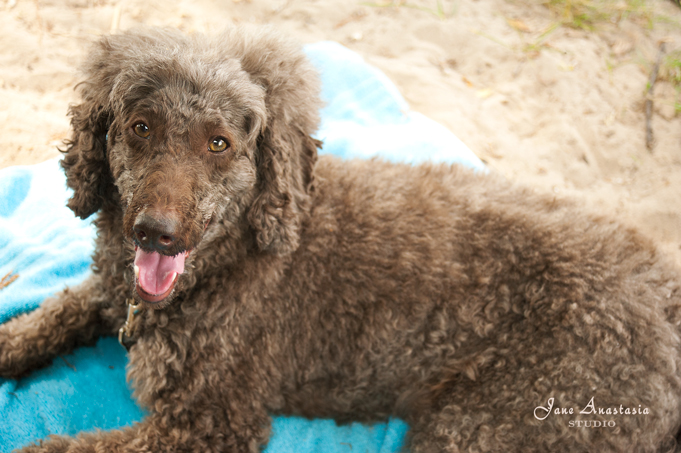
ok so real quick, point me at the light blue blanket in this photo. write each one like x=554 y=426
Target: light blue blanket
x=49 y=249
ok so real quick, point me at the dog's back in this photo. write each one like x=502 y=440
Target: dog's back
x=463 y=303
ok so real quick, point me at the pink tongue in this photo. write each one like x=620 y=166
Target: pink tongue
x=157 y=272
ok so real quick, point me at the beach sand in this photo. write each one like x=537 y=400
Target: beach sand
x=548 y=105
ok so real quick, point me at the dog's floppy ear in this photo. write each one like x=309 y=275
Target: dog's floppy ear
x=285 y=163
x=84 y=162
x=286 y=153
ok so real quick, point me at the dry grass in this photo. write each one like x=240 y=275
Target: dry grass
x=438 y=9
x=670 y=70
x=589 y=14
x=593 y=15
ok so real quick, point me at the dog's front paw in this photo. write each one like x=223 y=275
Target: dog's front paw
x=14 y=356
x=9 y=356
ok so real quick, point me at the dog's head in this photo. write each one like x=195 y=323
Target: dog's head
x=184 y=135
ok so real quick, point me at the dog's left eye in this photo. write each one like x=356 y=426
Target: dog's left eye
x=218 y=144
x=141 y=130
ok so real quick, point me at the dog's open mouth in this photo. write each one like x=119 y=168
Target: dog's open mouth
x=156 y=274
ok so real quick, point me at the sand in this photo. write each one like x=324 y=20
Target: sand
x=554 y=107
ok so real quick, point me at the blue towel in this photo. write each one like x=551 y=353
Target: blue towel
x=43 y=243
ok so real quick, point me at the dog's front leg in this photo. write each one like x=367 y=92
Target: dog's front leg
x=72 y=318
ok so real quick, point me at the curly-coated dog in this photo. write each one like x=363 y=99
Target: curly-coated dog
x=263 y=280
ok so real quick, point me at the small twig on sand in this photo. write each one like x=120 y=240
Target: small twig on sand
x=8 y=279
x=68 y=364
x=650 y=140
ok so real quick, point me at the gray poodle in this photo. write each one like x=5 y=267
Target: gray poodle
x=254 y=278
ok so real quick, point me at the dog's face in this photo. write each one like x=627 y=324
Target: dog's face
x=193 y=142
x=181 y=150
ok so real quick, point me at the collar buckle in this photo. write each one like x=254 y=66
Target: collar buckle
x=126 y=334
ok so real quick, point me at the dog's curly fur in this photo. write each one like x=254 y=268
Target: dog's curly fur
x=345 y=289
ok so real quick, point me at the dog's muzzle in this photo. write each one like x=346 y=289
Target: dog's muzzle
x=159 y=255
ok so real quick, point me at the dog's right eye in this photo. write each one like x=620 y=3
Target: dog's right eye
x=141 y=130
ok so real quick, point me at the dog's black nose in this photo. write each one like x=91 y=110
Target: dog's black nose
x=156 y=231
